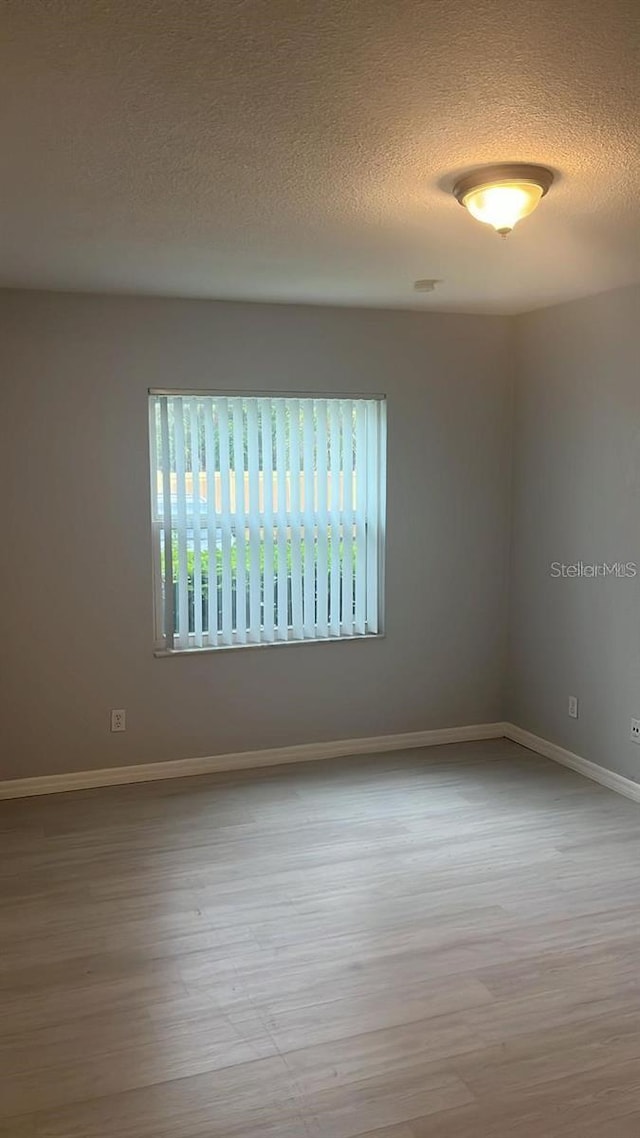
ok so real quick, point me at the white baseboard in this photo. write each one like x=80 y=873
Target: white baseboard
x=309 y=752
x=274 y=756
x=617 y=782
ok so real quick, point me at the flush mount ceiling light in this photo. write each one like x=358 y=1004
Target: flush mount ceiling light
x=502 y=195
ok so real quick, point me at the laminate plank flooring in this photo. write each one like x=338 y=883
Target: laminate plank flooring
x=439 y=943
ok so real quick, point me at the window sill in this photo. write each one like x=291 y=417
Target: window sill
x=160 y=653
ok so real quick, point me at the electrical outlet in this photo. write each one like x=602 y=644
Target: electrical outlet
x=119 y=720
x=635 y=730
x=573 y=706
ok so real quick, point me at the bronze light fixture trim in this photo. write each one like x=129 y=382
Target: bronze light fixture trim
x=502 y=195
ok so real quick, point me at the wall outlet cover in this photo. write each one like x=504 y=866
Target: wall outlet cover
x=635 y=730
x=119 y=720
x=573 y=706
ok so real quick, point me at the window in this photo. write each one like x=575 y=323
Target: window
x=268 y=518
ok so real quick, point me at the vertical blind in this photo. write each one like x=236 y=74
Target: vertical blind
x=268 y=518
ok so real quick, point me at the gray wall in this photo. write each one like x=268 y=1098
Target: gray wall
x=76 y=566
x=576 y=497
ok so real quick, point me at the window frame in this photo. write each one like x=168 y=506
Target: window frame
x=157 y=523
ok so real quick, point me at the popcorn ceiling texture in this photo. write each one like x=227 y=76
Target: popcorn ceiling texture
x=303 y=149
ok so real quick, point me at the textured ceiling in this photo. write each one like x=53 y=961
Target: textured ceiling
x=301 y=149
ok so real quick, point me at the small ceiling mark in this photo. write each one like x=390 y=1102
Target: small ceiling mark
x=426 y=285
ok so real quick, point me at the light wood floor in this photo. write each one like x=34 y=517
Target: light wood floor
x=442 y=943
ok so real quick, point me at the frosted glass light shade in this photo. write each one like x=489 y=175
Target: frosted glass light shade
x=502 y=196
x=504 y=205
